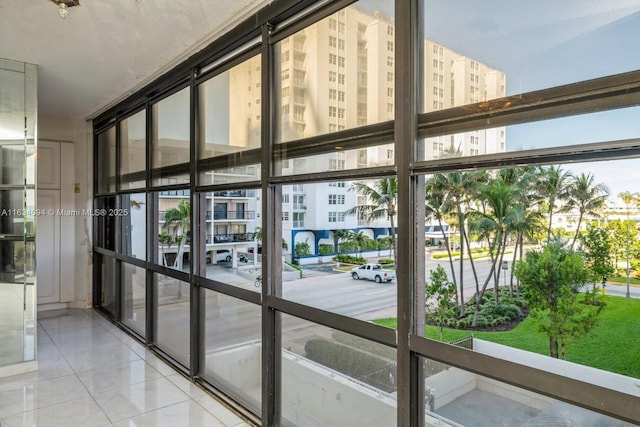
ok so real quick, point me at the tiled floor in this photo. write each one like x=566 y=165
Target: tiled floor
x=93 y=374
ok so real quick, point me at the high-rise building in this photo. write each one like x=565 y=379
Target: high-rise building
x=339 y=74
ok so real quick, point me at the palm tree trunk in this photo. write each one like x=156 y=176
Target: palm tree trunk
x=461 y=228
x=473 y=265
x=502 y=250
x=453 y=270
x=393 y=240
x=513 y=263
x=550 y=220
x=577 y=230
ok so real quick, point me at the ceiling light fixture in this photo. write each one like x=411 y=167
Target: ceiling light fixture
x=64 y=5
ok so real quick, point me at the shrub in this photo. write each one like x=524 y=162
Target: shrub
x=385 y=261
x=302 y=249
x=325 y=249
x=348 y=247
x=385 y=242
x=368 y=245
x=350 y=259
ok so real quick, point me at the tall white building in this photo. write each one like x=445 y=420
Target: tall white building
x=339 y=74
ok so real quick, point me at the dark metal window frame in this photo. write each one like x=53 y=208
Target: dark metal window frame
x=274 y=23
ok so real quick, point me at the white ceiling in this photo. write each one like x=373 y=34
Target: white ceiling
x=106 y=49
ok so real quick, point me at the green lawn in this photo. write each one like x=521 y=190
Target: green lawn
x=620 y=279
x=613 y=345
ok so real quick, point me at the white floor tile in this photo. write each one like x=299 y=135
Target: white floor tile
x=41 y=394
x=217 y=409
x=181 y=414
x=192 y=390
x=119 y=375
x=75 y=413
x=100 y=357
x=139 y=398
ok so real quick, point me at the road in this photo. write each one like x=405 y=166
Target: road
x=230 y=321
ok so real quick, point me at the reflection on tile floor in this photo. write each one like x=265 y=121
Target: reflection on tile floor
x=93 y=374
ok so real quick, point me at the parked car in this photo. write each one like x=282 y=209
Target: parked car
x=223 y=255
x=372 y=272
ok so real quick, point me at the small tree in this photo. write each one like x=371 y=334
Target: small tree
x=552 y=279
x=597 y=249
x=440 y=297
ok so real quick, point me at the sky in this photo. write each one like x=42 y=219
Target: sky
x=546 y=43
x=541 y=44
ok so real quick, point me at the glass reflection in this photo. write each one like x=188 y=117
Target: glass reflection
x=106 y=161
x=133 y=221
x=133 y=161
x=226 y=100
x=173 y=320
x=454 y=396
x=337 y=73
x=332 y=378
x=134 y=297
x=170 y=137
x=232 y=340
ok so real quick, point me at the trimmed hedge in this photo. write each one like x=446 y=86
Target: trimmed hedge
x=350 y=259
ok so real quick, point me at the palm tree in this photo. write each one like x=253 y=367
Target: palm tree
x=588 y=197
x=495 y=221
x=458 y=187
x=382 y=201
x=339 y=235
x=177 y=222
x=554 y=186
x=436 y=206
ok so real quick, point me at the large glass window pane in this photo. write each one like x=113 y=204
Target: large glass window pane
x=381 y=155
x=170 y=137
x=134 y=222
x=337 y=73
x=17 y=212
x=174 y=229
x=612 y=125
x=230 y=175
x=230 y=110
x=332 y=378
x=12 y=160
x=106 y=161
x=133 y=160
x=338 y=237
x=454 y=396
x=232 y=340
x=108 y=282
x=488 y=230
x=233 y=237
x=134 y=297
x=106 y=222
x=487 y=50
x=172 y=299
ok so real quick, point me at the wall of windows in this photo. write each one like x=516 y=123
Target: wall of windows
x=225 y=241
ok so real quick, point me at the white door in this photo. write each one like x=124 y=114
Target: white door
x=55 y=236
x=48 y=247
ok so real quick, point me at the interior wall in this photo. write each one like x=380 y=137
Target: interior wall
x=79 y=132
